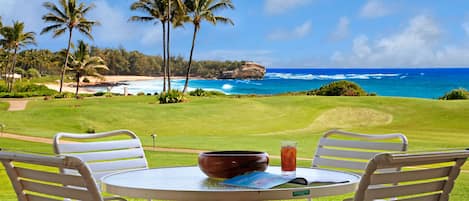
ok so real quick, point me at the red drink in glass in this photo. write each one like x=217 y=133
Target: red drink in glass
x=288 y=157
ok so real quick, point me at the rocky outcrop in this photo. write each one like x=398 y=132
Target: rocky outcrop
x=248 y=70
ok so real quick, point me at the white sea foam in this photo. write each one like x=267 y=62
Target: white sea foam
x=329 y=77
x=227 y=87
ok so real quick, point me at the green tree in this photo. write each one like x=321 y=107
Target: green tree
x=15 y=38
x=82 y=64
x=69 y=16
x=155 y=10
x=198 y=11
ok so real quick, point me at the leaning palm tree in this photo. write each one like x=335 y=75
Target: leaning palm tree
x=198 y=11
x=15 y=38
x=82 y=64
x=155 y=10
x=67 y=17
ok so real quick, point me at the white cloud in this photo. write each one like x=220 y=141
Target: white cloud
x=465 y=27
x=375 y=8
x=296 y=33
x=275 y=7
x=417 y=45
x=263 y=57
x=341 y=30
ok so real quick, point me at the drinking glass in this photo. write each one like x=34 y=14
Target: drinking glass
x=288 y=158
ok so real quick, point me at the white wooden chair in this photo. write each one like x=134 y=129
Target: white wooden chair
x=354 y=152
x=424 y=176
x=103 y=157
x=45 y=181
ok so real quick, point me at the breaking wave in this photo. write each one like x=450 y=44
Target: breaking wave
x=329 y=77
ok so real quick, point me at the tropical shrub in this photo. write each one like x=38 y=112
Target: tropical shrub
x=201 y=92
x=172 y=96
x=339 y=88
x=99 y=93
x=198 y=92
x=456 y=94
x=20 y=71
x=86 y=80
x=25 y=90
x=33 y=73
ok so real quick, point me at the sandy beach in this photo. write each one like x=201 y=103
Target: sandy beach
x=70 y=86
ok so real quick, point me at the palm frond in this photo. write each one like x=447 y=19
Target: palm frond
x=59 y=32
x=53 y=8
x=51 y=27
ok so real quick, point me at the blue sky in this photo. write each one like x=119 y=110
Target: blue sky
x=289 y=33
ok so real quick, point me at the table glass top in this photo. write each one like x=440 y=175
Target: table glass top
x=193 y=179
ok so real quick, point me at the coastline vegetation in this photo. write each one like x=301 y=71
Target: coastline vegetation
x=456 y=94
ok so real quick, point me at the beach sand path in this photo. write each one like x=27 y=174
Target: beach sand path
x=17 y=105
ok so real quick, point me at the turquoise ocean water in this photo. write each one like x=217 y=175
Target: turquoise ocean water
x=404 y=82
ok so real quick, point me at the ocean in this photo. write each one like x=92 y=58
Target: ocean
x=404 y=82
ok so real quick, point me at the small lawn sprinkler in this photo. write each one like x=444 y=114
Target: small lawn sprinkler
x=2 y=126
x=153 y=136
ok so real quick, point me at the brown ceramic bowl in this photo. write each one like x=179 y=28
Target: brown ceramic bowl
x=227 y=164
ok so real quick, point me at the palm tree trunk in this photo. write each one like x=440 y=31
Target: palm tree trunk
x=12 y=71
x=164 y=56
x=62 y=75
x=167 y=46
x=77 y=76
x=190 y=59
x=6 y=70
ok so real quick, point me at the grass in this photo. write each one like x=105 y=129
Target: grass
x=258 y=123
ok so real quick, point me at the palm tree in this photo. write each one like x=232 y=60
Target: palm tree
x=162 y=11
x=14 y=38
x=155 y=10
x=200 y=10
x=68 y=17
x=82 y=64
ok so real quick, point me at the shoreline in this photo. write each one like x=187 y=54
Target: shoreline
x=108 y=80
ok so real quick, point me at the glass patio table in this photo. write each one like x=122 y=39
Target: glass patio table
x=190 y=183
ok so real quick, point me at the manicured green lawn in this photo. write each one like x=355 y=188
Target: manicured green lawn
x=257 y=123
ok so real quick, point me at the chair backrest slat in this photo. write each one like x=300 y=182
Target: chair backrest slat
x=423 y=176
x=361 y=144
x=44 y=183
x=50 y=177
x=404 y=190
x=103 y=156
x=62 y=191
x=98 y=146
x=396 y=177
x=353 y=150
x=110 y=155
x=341 y=163
x=118 y=165
x=40 y=198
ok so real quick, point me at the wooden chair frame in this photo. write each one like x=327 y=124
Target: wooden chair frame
x=354 y=154
x=433 y=182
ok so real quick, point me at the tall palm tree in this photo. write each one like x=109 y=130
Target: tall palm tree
x=68 y=16
x=155 y=10
x=82 y=64
x=200 y=10
x=165 y=13
x=14 y=38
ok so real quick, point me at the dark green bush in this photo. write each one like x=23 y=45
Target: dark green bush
x=173 y=96
x=33 y=73
x=141 y=93
x=21 y=90
x=456 y=94
x=339 y=88
x=99 y=93
x=198 y=92
x=86 y=80
x=20 y=71
x=201 y=92
x=64 y=95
